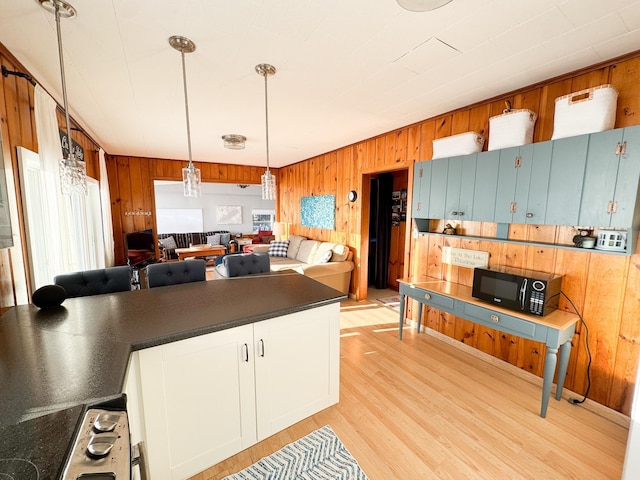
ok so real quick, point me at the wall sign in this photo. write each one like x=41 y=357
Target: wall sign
x=318 y=211
x=465 y=258
x=78 y=151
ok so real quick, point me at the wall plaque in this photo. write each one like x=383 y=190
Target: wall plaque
x=462 y=257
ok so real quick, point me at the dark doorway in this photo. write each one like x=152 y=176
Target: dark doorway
x=380 y=229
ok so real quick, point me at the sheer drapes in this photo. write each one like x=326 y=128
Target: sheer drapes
x=105 y=204
x=65 y=233
x=55 y=218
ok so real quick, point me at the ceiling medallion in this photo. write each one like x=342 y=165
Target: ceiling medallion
x=234 y=141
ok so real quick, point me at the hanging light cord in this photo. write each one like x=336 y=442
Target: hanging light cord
x=186 y=106
x=266 y=114
x=64 y=83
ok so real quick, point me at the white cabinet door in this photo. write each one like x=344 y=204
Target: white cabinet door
x=297 y=367
x=198 y=398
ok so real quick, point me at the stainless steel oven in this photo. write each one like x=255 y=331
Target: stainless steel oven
x=102 y=448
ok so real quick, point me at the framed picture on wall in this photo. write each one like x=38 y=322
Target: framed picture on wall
x=229 y=214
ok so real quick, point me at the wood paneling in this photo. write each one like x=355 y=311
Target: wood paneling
x=604 y=288
x=601 y=286
x=132 y=193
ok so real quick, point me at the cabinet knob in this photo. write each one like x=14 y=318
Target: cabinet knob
x=460 y=214
x=495 y=318
x=454 y=213
x=427 y=296
x=529 y=215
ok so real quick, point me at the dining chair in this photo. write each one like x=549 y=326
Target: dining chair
x=173 y=273
x=95 y=282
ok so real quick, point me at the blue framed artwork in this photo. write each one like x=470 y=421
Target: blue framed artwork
x=318 y=211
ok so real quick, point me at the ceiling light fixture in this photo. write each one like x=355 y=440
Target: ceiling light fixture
x=234 y=141
x=268 y=180
x=73 y=172
x=190 y=174
x=422 y=5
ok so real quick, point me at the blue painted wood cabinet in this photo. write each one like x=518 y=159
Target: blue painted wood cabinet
x=587 y=180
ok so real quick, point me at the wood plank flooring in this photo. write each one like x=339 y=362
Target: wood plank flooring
x=426 y=409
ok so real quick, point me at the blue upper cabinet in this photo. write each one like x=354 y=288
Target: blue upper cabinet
x=508 y=168
x=537 y=178
x=610 y=191
x=460 y=187
x=568 y=161
x=438 y=190
x=485 y=186
x=523 y=183
x=421 y=187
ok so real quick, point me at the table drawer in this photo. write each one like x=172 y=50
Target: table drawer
x=500 y=321
x=434 y=299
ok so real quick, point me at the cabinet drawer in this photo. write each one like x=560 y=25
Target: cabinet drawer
x=434 y=300
x=500 y=321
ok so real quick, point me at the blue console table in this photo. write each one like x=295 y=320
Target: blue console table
x=555 y=329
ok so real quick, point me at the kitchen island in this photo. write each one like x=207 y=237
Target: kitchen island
x=52 y=362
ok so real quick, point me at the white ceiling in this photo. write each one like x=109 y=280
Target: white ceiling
x=347 y=69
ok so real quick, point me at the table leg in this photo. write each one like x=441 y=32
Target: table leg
x=402 y=300
x=419 y=317
x=565 y=353
x=549 y=369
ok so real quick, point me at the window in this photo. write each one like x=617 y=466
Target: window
x=262 y=219
x=53 y=248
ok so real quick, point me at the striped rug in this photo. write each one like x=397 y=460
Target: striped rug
x=318 y=456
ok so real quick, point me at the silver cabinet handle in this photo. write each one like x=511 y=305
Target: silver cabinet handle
x=245 y=347
x=529 y=215
x=495 y=318
x=261 y=347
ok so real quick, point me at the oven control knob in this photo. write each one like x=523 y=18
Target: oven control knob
x=106 y=422
x=101 y=444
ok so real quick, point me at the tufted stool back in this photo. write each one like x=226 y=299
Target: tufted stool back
x=95 y=282
x=245 y=264
x=173 y=273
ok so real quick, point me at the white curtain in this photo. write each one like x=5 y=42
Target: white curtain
x=56 y=218
x=105 y=204
x=65 y=232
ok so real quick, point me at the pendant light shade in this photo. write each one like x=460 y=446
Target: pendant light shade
x=268 y=180
x=73 y=171
x=422 y=5
x=190 y=174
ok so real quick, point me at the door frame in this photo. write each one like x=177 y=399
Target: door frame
x=365 y=189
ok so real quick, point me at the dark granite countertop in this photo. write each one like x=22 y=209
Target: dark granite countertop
x=54 y=362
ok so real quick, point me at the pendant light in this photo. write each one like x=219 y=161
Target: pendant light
x=422 y=5
x=73 y=172
x=268 y=180
x=190 y=174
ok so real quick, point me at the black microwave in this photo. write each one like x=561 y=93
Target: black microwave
x=526 y=291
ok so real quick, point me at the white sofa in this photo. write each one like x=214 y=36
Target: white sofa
x=311 y=258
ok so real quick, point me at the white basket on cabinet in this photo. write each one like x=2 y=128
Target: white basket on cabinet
x=587 y=111
x=462 y=144
x=511 y=129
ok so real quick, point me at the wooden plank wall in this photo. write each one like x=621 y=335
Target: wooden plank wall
x=132 y=193
x=17 y=129
x=604 y=288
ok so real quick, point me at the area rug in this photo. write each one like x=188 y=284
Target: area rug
x=391 y=302
x=318 y=456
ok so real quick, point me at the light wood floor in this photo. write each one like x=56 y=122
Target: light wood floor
x=425 y=409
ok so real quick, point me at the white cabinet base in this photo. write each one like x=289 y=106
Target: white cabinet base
x=201 y=400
